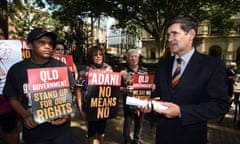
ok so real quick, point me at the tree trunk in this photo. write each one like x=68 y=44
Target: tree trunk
x=4 y=16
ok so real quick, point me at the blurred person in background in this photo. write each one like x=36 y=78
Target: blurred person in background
x=231 y=75
x=59 y=49
x=8 y=117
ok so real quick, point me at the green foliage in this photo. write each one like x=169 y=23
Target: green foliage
x=220 y=16
x=4 y=12
x=151 y=15
x=72 y=15
x=134 y=29
x=26 y=18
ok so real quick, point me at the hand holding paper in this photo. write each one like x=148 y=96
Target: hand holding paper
x=143 y=103
x=157 y=106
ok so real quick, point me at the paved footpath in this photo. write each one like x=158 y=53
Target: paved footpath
x=113 y=133
x=226 y=132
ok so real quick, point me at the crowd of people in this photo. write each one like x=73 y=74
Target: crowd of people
x=199 y=93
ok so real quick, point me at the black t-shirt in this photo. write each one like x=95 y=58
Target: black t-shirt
x=14 y=87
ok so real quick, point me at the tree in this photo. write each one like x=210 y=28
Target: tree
x=72 y=13
x=132 y=31
x=221 y=17
x=27 y=18
x=4 y=13
x=23 y=16
x=151 y=15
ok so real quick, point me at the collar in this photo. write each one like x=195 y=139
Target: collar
x=186 y=57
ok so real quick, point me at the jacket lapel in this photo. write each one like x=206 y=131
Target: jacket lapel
x=169 y=72
x=189 y=70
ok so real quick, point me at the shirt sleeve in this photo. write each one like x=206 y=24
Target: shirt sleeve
x=11 y=87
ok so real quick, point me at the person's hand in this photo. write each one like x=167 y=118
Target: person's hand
x=147 y=108
x=153 y=87
x=29 y=122
x=60 y=120
x=172 y=111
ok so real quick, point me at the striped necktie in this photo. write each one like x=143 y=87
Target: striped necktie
x=176 y=74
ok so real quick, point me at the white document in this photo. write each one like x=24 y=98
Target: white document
x=158 y=106
x=139 y=102
x=136 y=102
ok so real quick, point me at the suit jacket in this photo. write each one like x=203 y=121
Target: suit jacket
x=201 y=94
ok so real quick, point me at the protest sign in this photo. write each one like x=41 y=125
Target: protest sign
x=51 y=104
x=26 y=51
x=142 y=85
x=49 y=93
x=10 y=53
x=103 y=95
x=41 y=79
x=67 y=59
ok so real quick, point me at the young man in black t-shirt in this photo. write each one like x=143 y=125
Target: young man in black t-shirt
x=54 y=131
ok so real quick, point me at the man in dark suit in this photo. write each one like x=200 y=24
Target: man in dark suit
x=199 y=95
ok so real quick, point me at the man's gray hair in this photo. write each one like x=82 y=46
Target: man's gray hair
x=132 y=50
